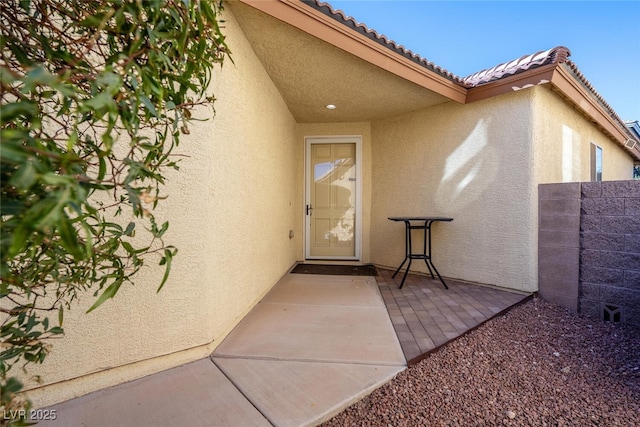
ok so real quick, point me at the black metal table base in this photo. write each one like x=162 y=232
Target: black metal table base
x=409 y=255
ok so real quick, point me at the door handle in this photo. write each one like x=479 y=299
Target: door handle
x=309 y=209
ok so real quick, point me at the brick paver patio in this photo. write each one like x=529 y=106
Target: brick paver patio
x=425 y=315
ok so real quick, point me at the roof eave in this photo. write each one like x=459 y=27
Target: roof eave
x=565 y=81
x=314 y=22
x=513 y=83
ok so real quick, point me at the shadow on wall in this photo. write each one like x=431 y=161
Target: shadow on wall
x=468 y=171
x=472 y=164
x=485 y=183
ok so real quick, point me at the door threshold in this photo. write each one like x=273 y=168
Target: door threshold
x=331 y=262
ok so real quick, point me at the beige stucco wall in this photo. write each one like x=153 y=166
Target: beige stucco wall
x=363 y=129
x=470 y=162
x=231 y=207
x=563 y=139
x=481 y=164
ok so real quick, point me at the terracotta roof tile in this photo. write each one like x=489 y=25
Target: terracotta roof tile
x=555 y=55
x=350 y=22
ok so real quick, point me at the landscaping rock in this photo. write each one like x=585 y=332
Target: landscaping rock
x=537 y=365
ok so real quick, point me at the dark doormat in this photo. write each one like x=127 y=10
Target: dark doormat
x=337 y=270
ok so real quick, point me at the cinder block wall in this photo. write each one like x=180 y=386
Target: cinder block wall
x=589 y=248
x=610 y=250
x=559 y=243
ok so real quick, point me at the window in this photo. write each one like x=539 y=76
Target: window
x=596 y=163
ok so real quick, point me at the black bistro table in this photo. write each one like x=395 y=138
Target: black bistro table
x=418 y=223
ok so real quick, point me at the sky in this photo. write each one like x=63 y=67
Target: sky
x=464 y=37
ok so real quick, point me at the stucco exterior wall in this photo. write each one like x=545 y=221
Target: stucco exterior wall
x=230 y=207
x=469 y=162
x=362 y=129
x=563 y=139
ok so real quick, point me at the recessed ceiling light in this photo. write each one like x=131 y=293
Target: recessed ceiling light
x=330 y=107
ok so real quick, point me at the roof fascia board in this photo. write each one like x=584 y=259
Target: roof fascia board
x=512 y=83
x=564 y=80
x=311 y=21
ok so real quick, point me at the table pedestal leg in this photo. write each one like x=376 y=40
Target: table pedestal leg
x=425 y=255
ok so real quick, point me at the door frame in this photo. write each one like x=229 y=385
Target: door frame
x=333 y=139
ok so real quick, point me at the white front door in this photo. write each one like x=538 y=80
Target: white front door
x=332 y=205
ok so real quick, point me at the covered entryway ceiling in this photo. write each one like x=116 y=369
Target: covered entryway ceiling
x=311 y=73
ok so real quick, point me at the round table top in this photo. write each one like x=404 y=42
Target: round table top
x=420 y=218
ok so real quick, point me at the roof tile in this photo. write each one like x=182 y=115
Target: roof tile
x=350 y=22
x=554 y=55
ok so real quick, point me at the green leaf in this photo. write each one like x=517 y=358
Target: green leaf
x=50 y=210
x=166 y=261
x=130 y=230
x=69 y=238
x=108 y=293
x=11 y=111
x=38 y=76
x=163 y=229
x=56 y=179
x=12 y=386
x=147 y=103
x=110 y=81
x=100 y=104
x=19 y=240
x=25 y=177
x=10 y=151
x=102 y=169
x=127 y=247
x=11 y=206
x=107 y=140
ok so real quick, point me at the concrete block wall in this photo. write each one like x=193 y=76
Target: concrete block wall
x=610 y=250
x=559 y=243
x=589 y=248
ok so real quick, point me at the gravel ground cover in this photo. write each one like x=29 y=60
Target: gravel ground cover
x=538 y=365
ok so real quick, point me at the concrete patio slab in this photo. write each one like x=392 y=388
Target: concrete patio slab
x=313 y=346
x=329 y=333
x=326 y=290
x=196 y=394
x=292 y=394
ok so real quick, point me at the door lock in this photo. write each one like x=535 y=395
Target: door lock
x=309 y=209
